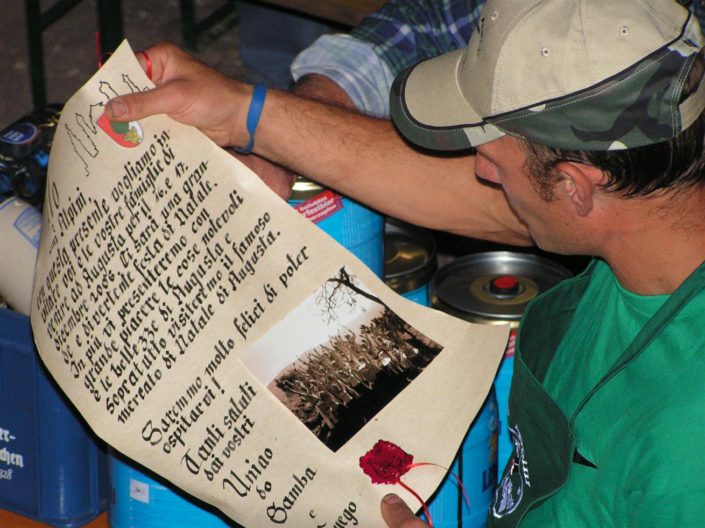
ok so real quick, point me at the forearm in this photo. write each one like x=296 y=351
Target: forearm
x=360 y=157
x=365 y=158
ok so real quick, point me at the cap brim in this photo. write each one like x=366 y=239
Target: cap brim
x=428 y=107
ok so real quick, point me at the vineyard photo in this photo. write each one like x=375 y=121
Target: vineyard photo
x=340 y=358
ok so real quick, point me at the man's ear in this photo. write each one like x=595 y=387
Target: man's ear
x=578 y=184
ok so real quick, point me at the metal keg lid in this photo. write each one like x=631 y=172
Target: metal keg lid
x=304 y=189
x=494 y=287
x=409 y=256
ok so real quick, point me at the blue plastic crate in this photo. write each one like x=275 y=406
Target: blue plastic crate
x=52 y=468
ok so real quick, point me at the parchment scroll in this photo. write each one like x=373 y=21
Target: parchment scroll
x=211 y=333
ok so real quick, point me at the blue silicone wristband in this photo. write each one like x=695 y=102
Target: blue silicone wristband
x=253 y=115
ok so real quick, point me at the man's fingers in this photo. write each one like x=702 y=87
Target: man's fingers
x=157 y=60
x=397 y=514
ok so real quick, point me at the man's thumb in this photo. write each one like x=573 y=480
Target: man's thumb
x=139 y=105
x=397 y=514
x=116 y=110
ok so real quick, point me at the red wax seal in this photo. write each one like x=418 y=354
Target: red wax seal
x=385 y=463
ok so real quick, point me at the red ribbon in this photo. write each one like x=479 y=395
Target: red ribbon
x=98 y=51
x=386 y=462
x=149 y=63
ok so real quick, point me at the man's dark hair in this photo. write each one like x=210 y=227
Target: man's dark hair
x=678 y=163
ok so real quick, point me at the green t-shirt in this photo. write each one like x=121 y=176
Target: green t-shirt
x=645 y=429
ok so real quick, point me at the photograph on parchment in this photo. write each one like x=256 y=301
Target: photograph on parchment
x=339 y=358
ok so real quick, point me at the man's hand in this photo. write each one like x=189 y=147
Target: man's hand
x=398 y=515
x=191 y=93
x=194 y=94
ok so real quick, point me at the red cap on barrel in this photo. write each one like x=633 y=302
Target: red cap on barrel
x=504 y=285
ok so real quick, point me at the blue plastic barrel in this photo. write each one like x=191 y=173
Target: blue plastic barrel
x=52 y=468
x=476 y=467
x=357 y=228
x=419 y=295
x=140 y=501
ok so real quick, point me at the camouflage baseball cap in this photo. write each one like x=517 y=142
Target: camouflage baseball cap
x=573 y=74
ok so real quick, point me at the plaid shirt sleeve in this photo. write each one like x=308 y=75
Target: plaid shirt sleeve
x=398 y=35
x=404 y=32
x=354 y=66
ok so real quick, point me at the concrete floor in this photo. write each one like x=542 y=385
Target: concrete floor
x=70 y=48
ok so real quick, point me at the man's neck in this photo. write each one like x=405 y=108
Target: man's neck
x=658 y=242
